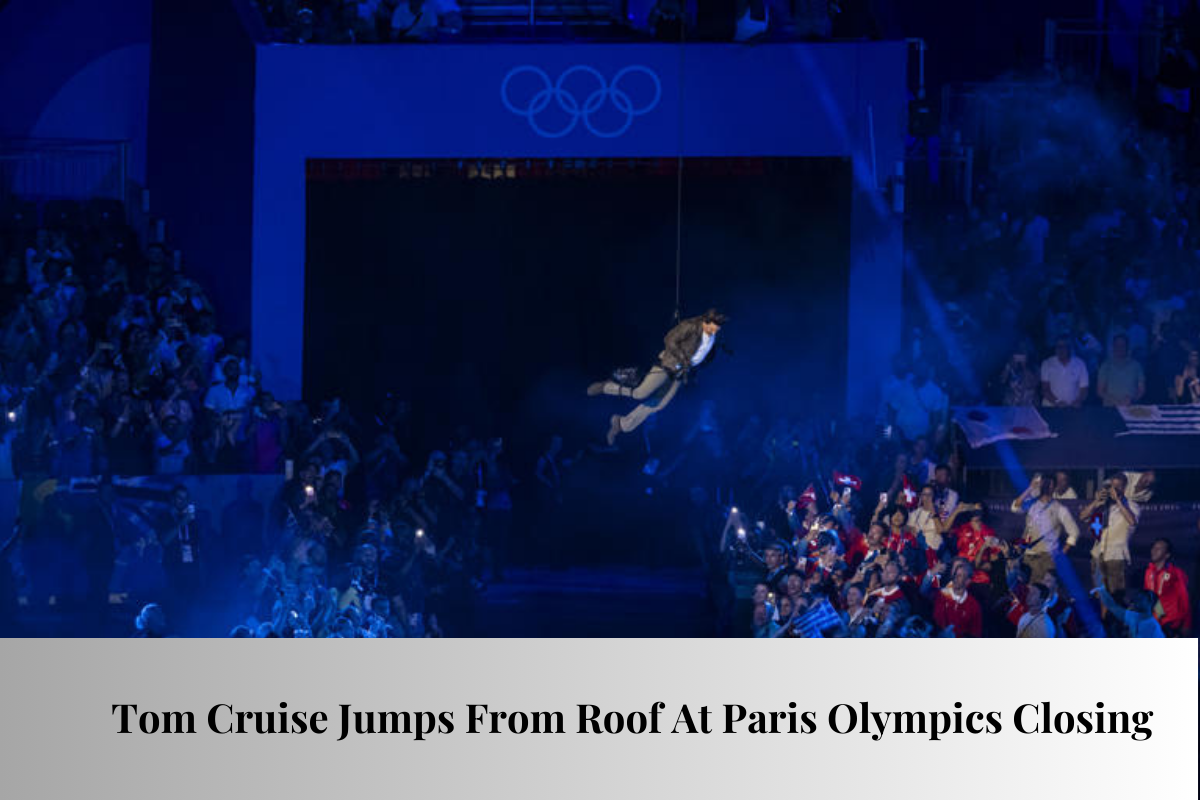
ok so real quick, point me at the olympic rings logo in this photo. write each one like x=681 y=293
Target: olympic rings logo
x=569 y=104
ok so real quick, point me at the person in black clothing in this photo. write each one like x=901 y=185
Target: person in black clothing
x=494 y=497
x=180 y=537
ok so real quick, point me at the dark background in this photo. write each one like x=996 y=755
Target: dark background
x=494 y=302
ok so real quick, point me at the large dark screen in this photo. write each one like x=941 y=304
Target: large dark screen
x=491 y=301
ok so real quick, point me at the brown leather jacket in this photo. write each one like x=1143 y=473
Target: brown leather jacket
x=681 y=343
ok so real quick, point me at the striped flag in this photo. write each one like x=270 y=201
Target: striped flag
x=1160 y=420
x=820 y=617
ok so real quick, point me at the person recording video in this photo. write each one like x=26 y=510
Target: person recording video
x=1118 y=517
x=1046 y=520
x=1020 y=383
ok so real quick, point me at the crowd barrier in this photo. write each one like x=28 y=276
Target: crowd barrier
x=71 y=531
x=56 y=169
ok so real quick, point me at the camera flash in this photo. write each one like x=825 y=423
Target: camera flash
x=420 y=533
x=741 y=533
x=12 y=416
x=733 y=510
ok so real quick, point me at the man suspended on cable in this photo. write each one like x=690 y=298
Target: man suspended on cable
x=687 y=347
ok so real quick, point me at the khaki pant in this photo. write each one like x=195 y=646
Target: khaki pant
x=1113 y=573
x=1039 y=564
x=656 y=390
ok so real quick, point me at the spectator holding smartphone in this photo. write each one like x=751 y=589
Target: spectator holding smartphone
x=1046 y=521
x=1120 y=517
x=1020 y=384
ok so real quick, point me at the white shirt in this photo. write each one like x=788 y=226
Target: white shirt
x=220 y=399
x=1066 y=380
x=1114 y=538
x=925 y=522
x=1045 y=523
x=1035 y=626
x=706 y=344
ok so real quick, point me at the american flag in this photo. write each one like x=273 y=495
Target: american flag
x=1160 y=420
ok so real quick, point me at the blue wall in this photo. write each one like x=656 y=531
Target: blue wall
x=439 y=101
x=76 y=69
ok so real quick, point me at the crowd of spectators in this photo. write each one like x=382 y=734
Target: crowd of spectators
x=1075 y=280
x=885 y=540
x=354 y=22
x=924 y=563
x=410 y=563
x=112 y=366
x=378 y=21
x=112 y=362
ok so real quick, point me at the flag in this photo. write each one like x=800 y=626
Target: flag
x=807 y=498
x=984 y=425
x=1160 y=420
x=820 y=617
x=847 y=481
x=1096 y=524
x=910 y=495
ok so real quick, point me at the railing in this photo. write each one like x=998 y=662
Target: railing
x=1088 y=49
x=977 y=114
x=509 y=14
x=55 y=169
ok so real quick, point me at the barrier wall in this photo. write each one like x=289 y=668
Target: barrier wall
x=1092 y=437
x=77 y=559
x=592 y=101
x=211 y=494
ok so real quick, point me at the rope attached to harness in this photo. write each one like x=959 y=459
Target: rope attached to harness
x=679 y=182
